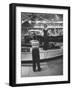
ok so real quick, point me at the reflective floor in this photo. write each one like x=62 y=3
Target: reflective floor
x=49 y=68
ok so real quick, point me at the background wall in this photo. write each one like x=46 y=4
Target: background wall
x=4 y=44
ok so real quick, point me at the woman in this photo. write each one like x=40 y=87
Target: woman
x=45 y=38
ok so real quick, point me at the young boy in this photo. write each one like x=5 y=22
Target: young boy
x=35 y=54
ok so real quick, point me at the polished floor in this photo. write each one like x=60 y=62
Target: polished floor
x=48 y=68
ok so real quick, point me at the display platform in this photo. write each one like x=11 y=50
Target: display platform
x=44 y=54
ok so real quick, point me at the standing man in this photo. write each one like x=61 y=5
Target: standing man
x=45 y=37
x=35 y=53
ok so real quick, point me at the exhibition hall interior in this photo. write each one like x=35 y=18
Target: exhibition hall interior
x=51 y=53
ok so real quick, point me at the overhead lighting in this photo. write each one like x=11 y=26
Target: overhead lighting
x=29 y=21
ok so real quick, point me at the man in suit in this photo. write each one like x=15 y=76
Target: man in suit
x=35 y=53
